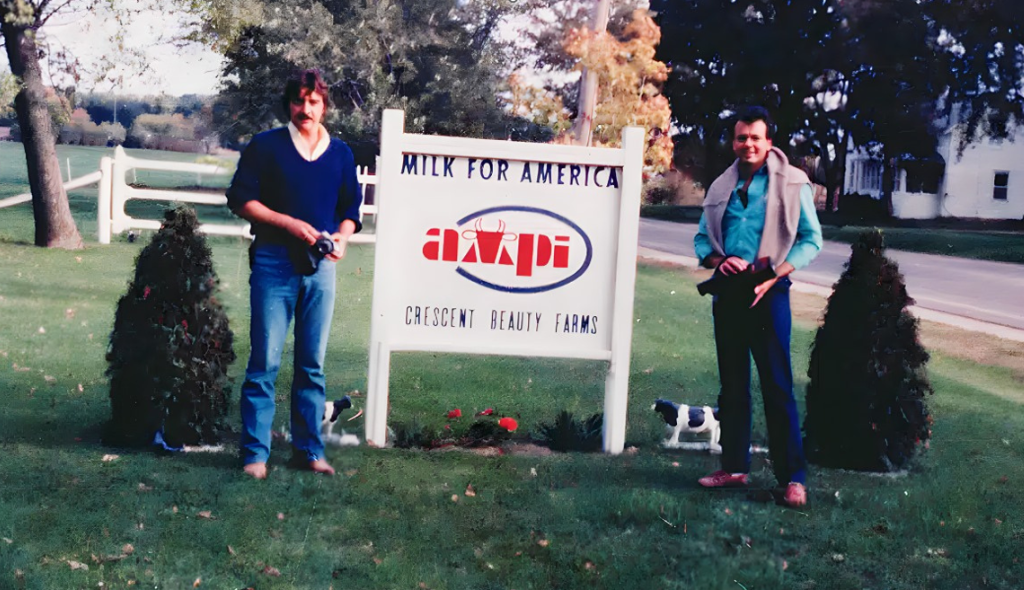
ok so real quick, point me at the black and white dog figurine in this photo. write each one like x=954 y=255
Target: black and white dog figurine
x=331 y=412
x=681 y=418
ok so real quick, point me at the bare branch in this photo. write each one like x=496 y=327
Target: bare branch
x=44 y=19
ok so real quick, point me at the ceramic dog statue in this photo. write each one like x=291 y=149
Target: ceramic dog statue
x=681 y=418
x=331 y=412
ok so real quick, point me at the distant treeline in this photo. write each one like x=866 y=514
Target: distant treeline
x=186 y=123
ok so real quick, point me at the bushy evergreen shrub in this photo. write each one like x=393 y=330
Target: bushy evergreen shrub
x=171 y=344
x=866 y=397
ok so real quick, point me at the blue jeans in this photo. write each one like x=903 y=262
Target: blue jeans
x=277 y=296
x=764 y=333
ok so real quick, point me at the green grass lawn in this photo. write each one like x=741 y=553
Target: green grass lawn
x=982 y=245
x=402 y=518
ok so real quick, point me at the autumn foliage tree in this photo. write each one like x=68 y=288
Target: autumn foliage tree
x=171 y=344
x=866 y=397
x=629 y=87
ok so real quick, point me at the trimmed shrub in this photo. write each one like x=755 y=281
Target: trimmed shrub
x=866 y=397
x=171 y=344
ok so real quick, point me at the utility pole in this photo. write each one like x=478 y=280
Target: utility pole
x=583 y=127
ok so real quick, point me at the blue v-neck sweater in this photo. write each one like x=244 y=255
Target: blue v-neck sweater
x=323 y=192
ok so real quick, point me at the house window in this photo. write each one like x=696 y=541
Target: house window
x=871 y=176
x=999 y=185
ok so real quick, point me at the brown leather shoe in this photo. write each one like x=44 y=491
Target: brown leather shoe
x=796 y=495
x=723 y=479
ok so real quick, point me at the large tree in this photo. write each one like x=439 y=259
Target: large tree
x=436 y=59
x=723 y=54
x=985 y=41
x=882 y=72
x=20 y=21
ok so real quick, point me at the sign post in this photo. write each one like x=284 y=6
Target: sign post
x=504 y=248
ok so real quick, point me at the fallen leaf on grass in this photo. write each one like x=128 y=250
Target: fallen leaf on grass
x=69 y=313
x=543 y=542
x=838 y=557
x=377 y=560
x=231 y=550
x=272 y=571
x=109 y=458
x=205 y=514
x=77 y=565
x=197 y=582
x=20 y=369
x=42 y=330
x=144 y=488
x=470 y=491
x=455 y=497
x=351 y=472
x=280 y=515
x=8 y=541
x=80 y=388
x=128 y=549
x=49 y=378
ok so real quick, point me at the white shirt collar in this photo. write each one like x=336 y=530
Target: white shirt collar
x=301 y=146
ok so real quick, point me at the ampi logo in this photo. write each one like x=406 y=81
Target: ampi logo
x=513 y=249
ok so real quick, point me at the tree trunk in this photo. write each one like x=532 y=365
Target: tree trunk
x=835 y=169
x=888 y=176
x=55 y=228
x=583 y=127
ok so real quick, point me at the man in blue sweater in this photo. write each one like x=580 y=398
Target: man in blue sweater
x=760 y=207
x=293 y=184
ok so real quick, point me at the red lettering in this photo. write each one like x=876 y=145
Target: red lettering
x=451 y=245
x=431 y=248
x=543 y=250
x=524 y=257
x=561 y=252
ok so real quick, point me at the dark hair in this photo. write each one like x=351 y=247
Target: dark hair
x=304 y=80
x=751 y=114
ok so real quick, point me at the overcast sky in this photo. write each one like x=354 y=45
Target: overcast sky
x=173 y=71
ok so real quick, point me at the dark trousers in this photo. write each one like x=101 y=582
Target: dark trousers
x=764 y=333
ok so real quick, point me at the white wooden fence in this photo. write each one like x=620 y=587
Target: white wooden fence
x=114 y=192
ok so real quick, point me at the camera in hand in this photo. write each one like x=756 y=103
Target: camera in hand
x=307 y=258
x=741 y=283
x=323 y=246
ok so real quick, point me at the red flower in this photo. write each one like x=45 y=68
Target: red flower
x=486 y=412
x=508 y=424
x=456 y=413
x=145 y=292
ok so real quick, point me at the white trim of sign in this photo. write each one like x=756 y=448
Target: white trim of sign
x=406 y=198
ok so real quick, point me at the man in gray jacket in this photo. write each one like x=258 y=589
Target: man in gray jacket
x=760 y=207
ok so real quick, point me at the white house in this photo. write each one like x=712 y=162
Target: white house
x=986 y=182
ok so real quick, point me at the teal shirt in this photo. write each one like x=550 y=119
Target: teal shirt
x=742 y=226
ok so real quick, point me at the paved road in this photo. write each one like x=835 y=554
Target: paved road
x=991 y=292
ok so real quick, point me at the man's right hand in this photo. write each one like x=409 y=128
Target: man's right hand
x=732 y=265
x=302 y=230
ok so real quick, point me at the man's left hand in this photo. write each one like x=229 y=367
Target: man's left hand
x=340 y=244
x=763 y=288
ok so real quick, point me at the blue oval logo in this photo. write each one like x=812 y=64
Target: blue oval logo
x=541 y=245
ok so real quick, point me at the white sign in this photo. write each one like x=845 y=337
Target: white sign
x=496 y=247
